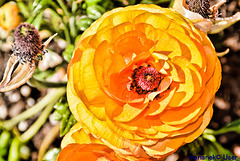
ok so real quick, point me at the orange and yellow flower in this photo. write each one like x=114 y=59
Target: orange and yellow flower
x=9 y=16
x=89 y=152
x=142 y=81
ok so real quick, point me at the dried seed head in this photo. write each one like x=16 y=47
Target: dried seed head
x=199 y=6
x=27 y=45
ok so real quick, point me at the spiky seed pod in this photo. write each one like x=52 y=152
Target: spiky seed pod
x=199 y=6
x=28 y=44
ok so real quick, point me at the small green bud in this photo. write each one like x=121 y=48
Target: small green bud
x=84 y=23
x=95 y=11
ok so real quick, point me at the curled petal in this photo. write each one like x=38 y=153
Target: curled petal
x=220 y=24
x=212 y=24
x=16 y=74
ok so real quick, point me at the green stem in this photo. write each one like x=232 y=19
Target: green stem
x=72 y=26
x=64 y=8
x=66 y=31
x=48 y=140
x=51 y=97
x=23 y=8
x=67 y=34
x=27 y=135
x=45 y=84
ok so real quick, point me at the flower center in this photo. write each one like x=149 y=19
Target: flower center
x=145 y=79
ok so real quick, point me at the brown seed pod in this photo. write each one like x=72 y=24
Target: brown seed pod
x=199 y=6
x=28 y=44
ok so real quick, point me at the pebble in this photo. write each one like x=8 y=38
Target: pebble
x=30 y=101
x=17 y=108
x=25 y=91
x=62 y=43
x=227 y=119
x=4 y=112
x=23 y=125
x=223 y=139
x=221 y=104
x=215 y=125
x=14 y=97
x=236 y=151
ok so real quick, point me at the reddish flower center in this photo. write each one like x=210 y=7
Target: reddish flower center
x=145 y=79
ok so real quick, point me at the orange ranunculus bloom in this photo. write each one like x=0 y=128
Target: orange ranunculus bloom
x=142 y=80
x=9 y=16
x=89 y=152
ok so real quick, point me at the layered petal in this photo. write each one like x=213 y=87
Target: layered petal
x=142 y=81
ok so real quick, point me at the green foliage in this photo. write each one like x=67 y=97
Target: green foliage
x=14 y=151
x=5 y=141
x=63 y=114
x=231 y=127
x=11 y=148
x=67 y=53
x=193 y=148
x=51 y=154
x=95 y=11
x=84 y=23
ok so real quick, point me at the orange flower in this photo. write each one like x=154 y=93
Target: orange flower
x=9 y=16
x=89 y=152
x=142 y=80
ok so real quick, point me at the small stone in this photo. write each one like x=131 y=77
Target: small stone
x=16 y=109
x=4 y=112
x=227 y=119
x=25 y=91
x=62 y=43
x=23 y=125
x=15 y=97
x=236 y=150
x=221 y=104
x=215 y=125
x=8 y=93
x=223 y=139
x=30 y=101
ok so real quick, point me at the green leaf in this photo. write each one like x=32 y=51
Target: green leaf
x=23 y=9
x=51 y=154
x=63 y=113
x=5 y=139
x=231 y=127
x=38 y=6
x=92 y=2
x=70 y=122
x=14 y=151
x=57 y=116
x=84 y=23
x=67 y=53
x=25 y=152
x=95 y=11
x=37 y=21
x=147 y=2
x=214 y=148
